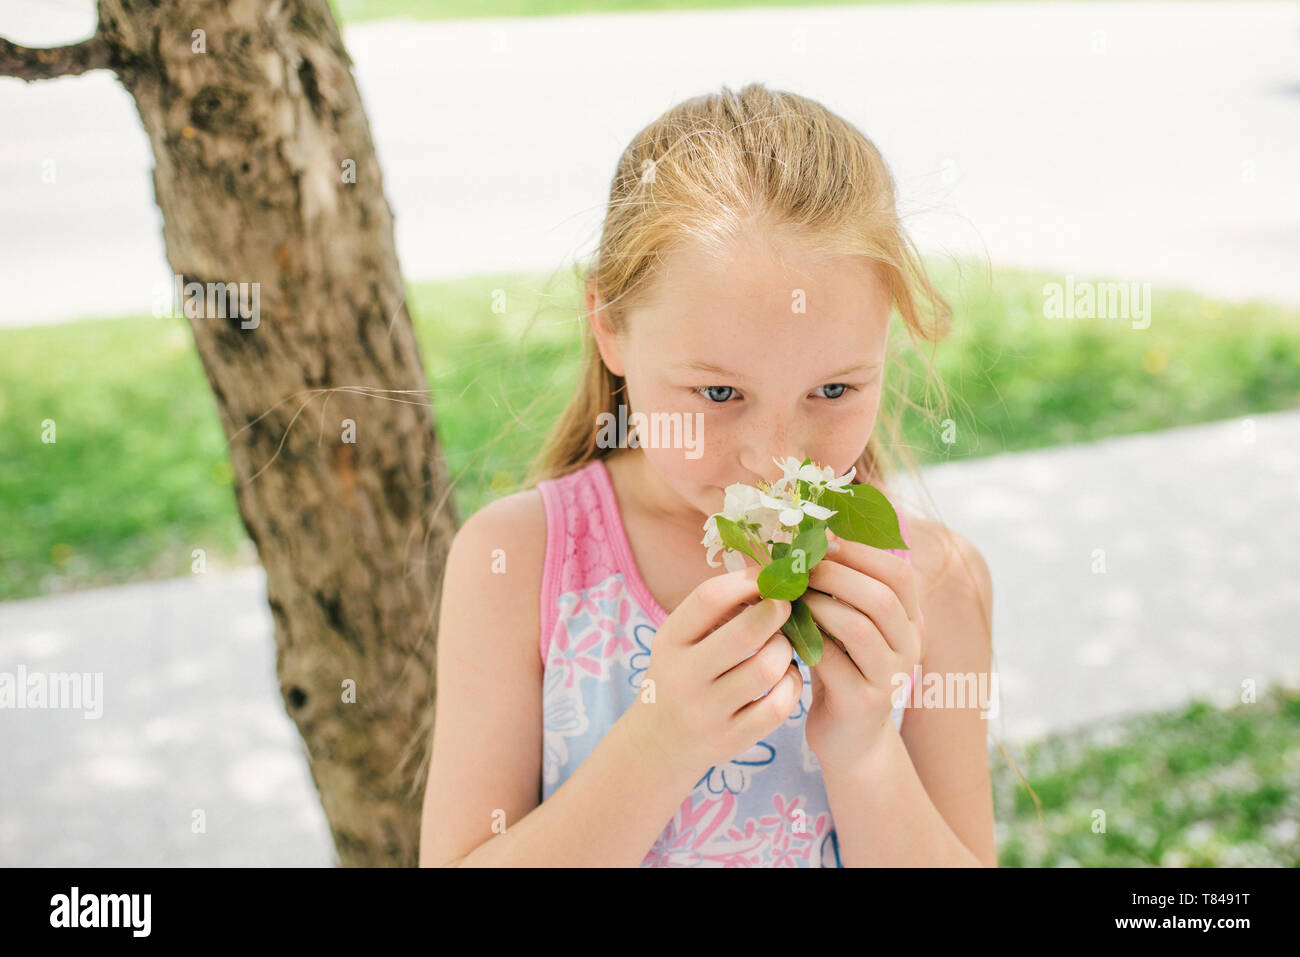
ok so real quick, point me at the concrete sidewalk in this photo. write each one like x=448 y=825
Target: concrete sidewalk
x=1201 y=591
x=1153 y=142
x=1198 y=532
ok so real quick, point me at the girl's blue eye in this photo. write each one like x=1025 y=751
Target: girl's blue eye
x=707 y=388
x=709 y=392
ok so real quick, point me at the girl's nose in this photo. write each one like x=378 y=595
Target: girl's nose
x=761 y=460
x=768 y=437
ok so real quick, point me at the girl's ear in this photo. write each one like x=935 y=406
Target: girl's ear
x=606 y=340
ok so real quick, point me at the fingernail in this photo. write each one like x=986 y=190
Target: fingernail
x=832 y=548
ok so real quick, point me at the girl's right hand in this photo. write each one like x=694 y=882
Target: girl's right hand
x=720 y=650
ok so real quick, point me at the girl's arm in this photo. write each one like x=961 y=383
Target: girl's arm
x=608 y=814
x=485 y=770
x=924 y=798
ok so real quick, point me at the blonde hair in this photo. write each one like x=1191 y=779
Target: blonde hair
x=704 y=170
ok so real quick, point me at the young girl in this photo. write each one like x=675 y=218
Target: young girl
x=605 y=695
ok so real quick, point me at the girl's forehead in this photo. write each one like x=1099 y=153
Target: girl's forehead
x=749 y=351
x=761 y=254
x=756 y=280
x=708 y=316
x=762 y=307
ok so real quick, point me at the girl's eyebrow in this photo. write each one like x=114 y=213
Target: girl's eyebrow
x=700 y=366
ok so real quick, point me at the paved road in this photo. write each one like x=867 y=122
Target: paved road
x=1155 y=142
x=1201 y=591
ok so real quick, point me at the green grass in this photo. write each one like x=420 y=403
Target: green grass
x=139 y=475
x=1197 y=787
x=353 y=11
x=1022 y=381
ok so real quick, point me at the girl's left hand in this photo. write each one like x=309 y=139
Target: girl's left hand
x=867 y=598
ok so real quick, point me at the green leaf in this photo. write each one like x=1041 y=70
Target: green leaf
x=780 y=549
x=803 y=633
x=813 y=542
x=780 y=580
x=864 y=514
x=733 y=536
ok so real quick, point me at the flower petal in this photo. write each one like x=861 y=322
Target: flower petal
x=734 y=561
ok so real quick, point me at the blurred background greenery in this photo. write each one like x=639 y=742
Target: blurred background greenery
x=358 y=10
x=1194 y=787
x=139 y=475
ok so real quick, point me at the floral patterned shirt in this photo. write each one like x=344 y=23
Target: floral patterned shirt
x=766 y=807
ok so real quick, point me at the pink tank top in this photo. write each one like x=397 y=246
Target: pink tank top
x=764 y=808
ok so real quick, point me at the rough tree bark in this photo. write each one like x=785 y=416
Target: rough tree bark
x=258 y=130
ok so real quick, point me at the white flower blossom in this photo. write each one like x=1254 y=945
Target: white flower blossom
x=776 y=509
x=818 y=478
x=742 y=506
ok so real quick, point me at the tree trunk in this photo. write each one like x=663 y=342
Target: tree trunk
x=265 y=173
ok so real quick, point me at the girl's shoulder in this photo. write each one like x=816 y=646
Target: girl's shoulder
x=940 y=554
x=517 y=520
x=952 y=577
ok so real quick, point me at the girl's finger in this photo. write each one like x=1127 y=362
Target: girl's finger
x=863 y=641
x=835 y=675
x=878 y=563
x=871 y=597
